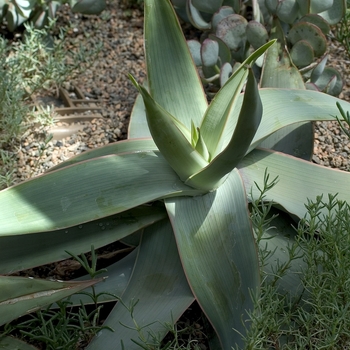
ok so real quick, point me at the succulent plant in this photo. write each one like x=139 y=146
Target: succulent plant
x=299 y=26
x=16 y=12
x=177 y=190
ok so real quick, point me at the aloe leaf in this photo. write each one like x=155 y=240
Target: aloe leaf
x=298 y=180
x=218 y=253
x=88 y=191
x=169 y=64
x=45 y=247
x=278 y=238
x=306 y=105
x=201 y=147
x=218 y=117
x=158 y=287
x=138 y=126
x=21 y=295
x=279 y=72
x=10 y=343
x=172 y=138
x=117 y=279
x=156 y=113
x=125 y=146
x=295 y=139
x=247 y=124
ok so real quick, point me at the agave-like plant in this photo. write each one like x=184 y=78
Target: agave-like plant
x=177 y=190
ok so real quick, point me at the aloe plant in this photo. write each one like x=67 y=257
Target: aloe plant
x=300 y=27
x=16 y=12
x=178 y=190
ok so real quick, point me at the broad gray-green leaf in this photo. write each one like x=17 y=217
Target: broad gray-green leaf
x=294 y=139
x=218 y=252
x=173 y=78
x=21 y=295
x=46 y=247
x=118 y=276
x=138 y=126
x=158 y=286
x=298 y=180
x=10 y=343
x=277 y=239
x=283 y=107
x=125 y=146
x=88 y=191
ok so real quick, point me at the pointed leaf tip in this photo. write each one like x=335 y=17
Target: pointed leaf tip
x=134 y=82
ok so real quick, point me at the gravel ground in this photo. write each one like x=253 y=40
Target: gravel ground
x=120 y=31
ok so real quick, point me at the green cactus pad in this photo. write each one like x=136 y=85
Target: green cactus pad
x=256 y=34
x=232 y=31
x=287 y=11
x=320 y=6
x=195 y=17
x=303 y=6
x=219 y=15
x=207 y=6
x=40 y=19
x=318 y=70
x=209 y=52
x=195 y=49
x=311 y=86
x=235 y=4
x=24 y=5
x=211 y=75
x=271 y=5
x=317 y=21
x=302 y=54
x=224 y=51
x=310 y=33
x=335 y=13
x=330 y=81
x=225 y=73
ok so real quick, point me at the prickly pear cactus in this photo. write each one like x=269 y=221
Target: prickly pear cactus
x=300 y=26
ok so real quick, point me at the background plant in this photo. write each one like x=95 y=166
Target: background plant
x=40 y=12
x=232 y=29
x=318 y=318
x=176 y=190
x=27 y=68
x=341 y=30
x=63 y=326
